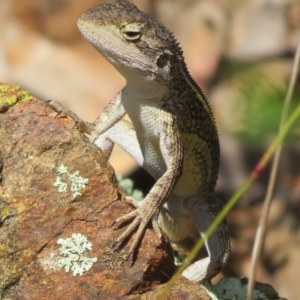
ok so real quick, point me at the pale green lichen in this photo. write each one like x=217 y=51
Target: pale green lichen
x=62 y=186
x=9 y=100
x=4 y=213
x=230 y=289
x=73 y=251
x=126 y=185
x=77 y=182
x=2 y=250
x=11 y=95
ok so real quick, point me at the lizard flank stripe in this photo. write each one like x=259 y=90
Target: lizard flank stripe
x=191 y=83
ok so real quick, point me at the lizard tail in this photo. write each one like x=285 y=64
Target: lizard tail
x=203 y=208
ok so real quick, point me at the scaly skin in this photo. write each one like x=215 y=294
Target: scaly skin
x=173 y=134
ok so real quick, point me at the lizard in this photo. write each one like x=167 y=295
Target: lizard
x=172 y=133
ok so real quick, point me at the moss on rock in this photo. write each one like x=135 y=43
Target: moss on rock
x=11 y=95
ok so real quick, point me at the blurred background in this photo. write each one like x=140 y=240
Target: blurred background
x=239 y=52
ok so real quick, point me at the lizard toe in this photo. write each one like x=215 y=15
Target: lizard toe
x=133 y=202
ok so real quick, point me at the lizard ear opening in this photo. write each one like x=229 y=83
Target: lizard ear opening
x=163 y=60
x=132 y=32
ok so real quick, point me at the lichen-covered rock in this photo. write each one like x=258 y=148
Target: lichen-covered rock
x=58 y=200
x=11 y=95
x=35 y=213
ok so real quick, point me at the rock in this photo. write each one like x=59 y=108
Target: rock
x=184 y=289
x=35 y=215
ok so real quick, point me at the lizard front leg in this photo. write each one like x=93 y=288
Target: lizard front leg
x=85 y=127
x=111 y=114
x=148 y=210
x=124 y=135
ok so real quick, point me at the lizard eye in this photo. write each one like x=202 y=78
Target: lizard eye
x=132 y=32
x=163 y=60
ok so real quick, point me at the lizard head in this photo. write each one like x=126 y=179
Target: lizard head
x=138 y=46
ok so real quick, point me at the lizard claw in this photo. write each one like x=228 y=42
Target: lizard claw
x=133 y=202
x=142 y=216
x=54 y=107
x=85 y=127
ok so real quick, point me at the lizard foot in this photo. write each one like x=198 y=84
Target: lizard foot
x=142 y=216
x=85 y=127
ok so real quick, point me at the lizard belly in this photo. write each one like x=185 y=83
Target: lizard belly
x=153 y=157
x=197 y=166
x=148 y=126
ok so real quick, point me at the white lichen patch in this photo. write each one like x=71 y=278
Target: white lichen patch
x=48 y=260
x=73 y=251
x=62 y=186
x=77 y=182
